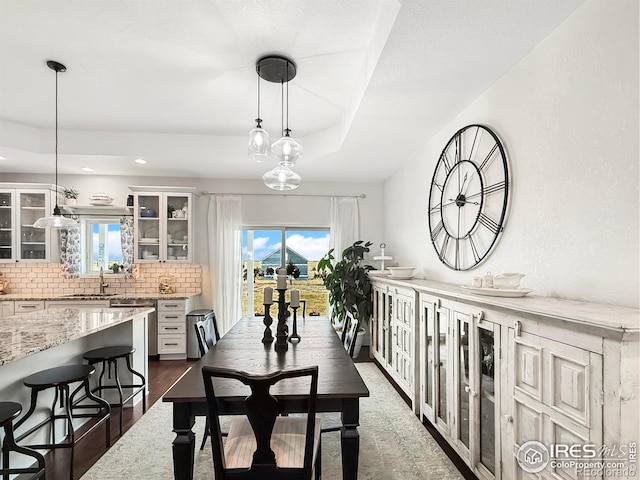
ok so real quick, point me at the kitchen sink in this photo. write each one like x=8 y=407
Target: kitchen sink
x=87 y=295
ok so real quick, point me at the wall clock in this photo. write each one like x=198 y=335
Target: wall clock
x=468 y=197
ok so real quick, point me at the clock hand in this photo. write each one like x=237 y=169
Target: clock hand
x=464 y=189
x=453 y=200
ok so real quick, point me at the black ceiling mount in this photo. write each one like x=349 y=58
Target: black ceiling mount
x=276 y=69
x=57 y=66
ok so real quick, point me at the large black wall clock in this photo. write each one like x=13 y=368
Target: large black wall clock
x=468 y=197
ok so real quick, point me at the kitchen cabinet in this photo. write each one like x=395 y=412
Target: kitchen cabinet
x=26 y=306
x=20 y=206
x=393 y=337
x=172 y=324
x=494 y=373
x=163 y=229
x=6 y=308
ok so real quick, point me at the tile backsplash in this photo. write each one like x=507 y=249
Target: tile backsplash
x=46 y=278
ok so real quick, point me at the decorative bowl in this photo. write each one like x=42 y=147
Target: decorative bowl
x=401 y=272
x=507 y=280
x=147 y=212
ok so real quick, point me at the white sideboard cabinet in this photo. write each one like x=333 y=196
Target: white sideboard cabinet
x=493 y=373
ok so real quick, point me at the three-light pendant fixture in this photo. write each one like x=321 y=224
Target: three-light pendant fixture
x=286 y=151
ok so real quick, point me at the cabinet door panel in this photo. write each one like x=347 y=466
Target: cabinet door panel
x=570 y=392
x=528 y=369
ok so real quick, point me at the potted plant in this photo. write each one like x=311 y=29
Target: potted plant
x=115 y=267
x=348 y=284
x=71 y=195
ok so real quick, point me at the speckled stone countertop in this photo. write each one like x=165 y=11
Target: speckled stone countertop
x=28 y=333
x=89 y=296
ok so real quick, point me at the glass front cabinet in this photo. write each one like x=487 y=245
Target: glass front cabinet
x=163 y=226
x=19 y=209
x=459 y=375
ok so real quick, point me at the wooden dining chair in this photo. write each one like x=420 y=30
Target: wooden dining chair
x=263 y=445
x=350 y=334
x=205 y=342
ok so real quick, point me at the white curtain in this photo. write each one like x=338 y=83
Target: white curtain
x=345 y=224
x=224 y=226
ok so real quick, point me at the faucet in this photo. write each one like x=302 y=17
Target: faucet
x=102 y=284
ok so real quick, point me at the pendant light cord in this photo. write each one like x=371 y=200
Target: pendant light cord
x=56 y=135
x=259 y=119
x=287 y=74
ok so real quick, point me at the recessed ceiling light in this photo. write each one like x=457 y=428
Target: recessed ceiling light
x=2 y=158
x=87 y=169
x=140 y=161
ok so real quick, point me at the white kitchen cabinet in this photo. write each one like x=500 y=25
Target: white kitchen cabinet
x=6 y=308
x=172 y=333
x=26 y=306
x=163 y=229
x=20 y=206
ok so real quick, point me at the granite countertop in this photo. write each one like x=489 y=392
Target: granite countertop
x=29 y=333
x=95 y=296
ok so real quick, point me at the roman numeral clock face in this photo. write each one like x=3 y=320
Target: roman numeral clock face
x=468 y=197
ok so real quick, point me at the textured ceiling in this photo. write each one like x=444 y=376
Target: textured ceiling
x=174 y=81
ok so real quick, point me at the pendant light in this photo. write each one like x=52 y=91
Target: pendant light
x=286 y=150
x=56 y=220
x=259 y=143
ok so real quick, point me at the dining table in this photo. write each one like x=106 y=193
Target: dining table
x=340 y=386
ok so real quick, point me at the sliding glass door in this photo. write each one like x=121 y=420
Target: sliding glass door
x=264 y=250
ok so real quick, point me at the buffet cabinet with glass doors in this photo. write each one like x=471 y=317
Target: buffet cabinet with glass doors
x=495 y=373
x=163 y=229
x=392 y=335
x=20 y=206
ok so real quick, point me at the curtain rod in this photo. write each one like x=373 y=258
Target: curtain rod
x=361 y=195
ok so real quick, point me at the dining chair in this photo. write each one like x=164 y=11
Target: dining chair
x=263 y=445
x=205 y=342
x=350 y=334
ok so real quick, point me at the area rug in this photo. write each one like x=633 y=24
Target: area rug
x=394 y=445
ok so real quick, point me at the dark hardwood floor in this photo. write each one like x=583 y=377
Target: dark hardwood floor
x=162 y=374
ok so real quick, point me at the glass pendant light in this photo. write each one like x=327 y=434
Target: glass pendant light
x=56 y=220
x=282 y=178
x=287 y=150
x=259 y=142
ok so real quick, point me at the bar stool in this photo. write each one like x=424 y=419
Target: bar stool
x=61 y=378
x=8 y=412
x=109 y=357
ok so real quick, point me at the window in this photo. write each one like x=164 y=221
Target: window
x=262 y=254
x=100 y=244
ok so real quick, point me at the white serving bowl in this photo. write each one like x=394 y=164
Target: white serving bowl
x=404 y=272
x=507 y=280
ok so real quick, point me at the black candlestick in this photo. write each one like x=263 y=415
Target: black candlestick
x=268 y=336
x=294 y=336
x=282 y=330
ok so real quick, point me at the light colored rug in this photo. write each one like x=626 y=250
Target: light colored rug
x=394 y=445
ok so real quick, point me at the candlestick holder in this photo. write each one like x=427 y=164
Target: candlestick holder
x=294 y=337
x=282 y=329
x=268 y=336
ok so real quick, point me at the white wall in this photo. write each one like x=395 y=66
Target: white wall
x=568 y=117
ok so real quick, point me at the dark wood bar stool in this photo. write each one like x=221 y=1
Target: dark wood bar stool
x=61 y=378
x=109 y=357
x=9 y=411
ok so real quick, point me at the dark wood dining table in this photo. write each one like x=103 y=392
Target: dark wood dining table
x=340 y=386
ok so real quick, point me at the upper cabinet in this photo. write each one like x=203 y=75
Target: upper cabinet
x=19 y=209
x=163 y=226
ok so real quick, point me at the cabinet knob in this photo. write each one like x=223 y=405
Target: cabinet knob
x=508 y=418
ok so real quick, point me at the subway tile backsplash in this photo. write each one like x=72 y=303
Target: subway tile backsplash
x=46 y=278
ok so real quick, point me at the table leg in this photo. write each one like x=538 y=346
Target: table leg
x=184 y=443
x=350 y=439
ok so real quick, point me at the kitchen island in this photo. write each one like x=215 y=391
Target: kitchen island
x=30 y=342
